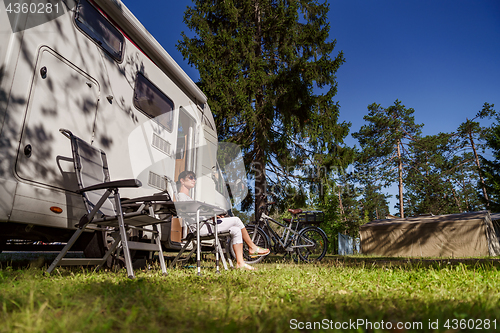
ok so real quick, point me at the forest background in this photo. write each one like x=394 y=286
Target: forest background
x=410 y=91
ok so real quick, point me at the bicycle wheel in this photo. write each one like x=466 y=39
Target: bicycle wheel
x=260 y=239
x=311 y=252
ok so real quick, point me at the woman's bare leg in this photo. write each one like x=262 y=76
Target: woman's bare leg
x=238 y=251
x=240 y=262
x=246 y=238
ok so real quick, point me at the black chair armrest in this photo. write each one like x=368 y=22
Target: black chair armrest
x=151 y=198
x=113 y=184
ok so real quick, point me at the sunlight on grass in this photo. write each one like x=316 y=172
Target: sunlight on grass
x=266 y=300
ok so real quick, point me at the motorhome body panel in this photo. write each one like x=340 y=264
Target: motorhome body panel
x=57 y=77
x=32 y=206
x=5 y=35
x=9 y=54
x=62 y=96
x=142 y=144
x=53 y=89
x=141 y=37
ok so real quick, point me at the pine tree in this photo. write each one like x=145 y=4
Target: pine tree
x=262 y=64
x=430 y=180
x=329 y=204
x=350 y=209
x=473 y=136
x=384 y=143
x=491 y=168
x=374 y=204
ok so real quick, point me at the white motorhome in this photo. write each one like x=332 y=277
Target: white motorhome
x=96 y=71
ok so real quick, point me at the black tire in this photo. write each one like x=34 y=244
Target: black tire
x=260 y=239
x=312 y=253
x=96 y=247
x=3 y=244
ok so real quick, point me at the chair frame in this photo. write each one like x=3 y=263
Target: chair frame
x=197 y=240
x=145 y=214
x=194 y=238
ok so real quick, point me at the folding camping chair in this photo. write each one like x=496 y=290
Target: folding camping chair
x=96 y=189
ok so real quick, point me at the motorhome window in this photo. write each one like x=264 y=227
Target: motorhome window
x=207 y=122
x=220 y=184
x=153 y=102
x=99 y=29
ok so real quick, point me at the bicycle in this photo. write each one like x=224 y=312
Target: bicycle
x=308 y=242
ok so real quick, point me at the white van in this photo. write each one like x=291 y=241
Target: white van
x=97 y=72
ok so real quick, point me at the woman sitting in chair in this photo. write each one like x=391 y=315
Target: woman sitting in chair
x=239 y=234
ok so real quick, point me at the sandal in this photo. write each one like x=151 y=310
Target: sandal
x=247 y=267
x=258 y=253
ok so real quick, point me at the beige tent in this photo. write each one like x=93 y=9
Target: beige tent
x=455 y=235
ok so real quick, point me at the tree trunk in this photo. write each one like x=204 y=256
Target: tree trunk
x=400 y=179
x=259 y=168
x=341 y=205
x=483 y=186
x=259 y=143
x=457 y=202
x=342 y=213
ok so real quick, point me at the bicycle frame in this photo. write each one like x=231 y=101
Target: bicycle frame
x=284 y=238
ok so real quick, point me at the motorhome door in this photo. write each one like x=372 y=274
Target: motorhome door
x=62 y=96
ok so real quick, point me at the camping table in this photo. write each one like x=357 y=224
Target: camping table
x=203 y=211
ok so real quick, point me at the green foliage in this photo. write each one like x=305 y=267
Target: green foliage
x=439 y=173
x=339 y=202
x=244 y=217
x=379 y=139
x=473 y=137
x=291 y=197
x=261 y=64
x=472 y=129
x=384 y=155
x=350 y=217
x=491 y=168
x=374 y=204
x=430 y=182
x=328 y=203
x=445 y=169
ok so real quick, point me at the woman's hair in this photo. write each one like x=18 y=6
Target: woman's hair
x=185 y=174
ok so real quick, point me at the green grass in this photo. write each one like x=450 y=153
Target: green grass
x=276 y=298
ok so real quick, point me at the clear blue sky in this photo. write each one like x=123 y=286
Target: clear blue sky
x=440 y=57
